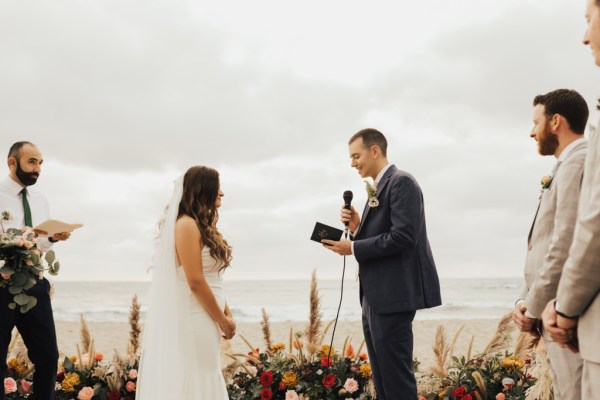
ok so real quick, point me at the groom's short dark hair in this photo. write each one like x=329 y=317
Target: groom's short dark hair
x=15 y=149
x=371 y=137
x=569 y=104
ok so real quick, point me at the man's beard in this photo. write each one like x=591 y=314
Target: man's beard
x=548 y=144
x=26 y=178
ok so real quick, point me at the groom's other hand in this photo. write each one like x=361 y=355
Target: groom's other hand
x=524 y=323
x=343 y=247
x=351 y=217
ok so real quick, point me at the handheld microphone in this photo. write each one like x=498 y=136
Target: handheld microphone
x=347 y=201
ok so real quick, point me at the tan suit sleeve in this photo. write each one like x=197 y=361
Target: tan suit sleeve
x=580 y=281
x=568 y=186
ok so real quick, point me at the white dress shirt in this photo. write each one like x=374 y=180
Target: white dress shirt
x=11 y=200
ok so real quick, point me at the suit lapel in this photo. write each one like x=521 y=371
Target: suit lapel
x=554 y=172
x=384 y=180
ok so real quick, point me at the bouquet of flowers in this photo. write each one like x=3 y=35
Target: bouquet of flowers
x=21 y=264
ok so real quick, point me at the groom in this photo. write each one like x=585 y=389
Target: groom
x=396 y=267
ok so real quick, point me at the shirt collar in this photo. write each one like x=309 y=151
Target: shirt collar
x=11 y=186
x=381 y=173
x=570 y=147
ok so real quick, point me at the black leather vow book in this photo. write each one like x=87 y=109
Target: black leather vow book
x=323 y=231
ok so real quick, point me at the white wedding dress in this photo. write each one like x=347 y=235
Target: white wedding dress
x=204 y=379
x=181 y=346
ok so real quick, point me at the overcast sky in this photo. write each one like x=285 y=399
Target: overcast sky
x=122 y=96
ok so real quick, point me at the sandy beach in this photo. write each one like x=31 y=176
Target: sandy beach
x=111 y=335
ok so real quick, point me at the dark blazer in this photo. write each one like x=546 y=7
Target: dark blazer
x=396 y=267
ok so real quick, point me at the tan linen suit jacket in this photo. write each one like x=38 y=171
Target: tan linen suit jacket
x=552 y=230
x=580 y=281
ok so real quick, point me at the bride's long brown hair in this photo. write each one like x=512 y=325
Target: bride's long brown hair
x=200 y=192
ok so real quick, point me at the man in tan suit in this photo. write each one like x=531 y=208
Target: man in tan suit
x=573 y=319
x=559 y=120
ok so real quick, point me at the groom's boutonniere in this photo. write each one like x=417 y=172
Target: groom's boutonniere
x=545 y=182
x=372 y=193
x=6 y=216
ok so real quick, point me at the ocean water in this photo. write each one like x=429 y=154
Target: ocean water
x=286 y=300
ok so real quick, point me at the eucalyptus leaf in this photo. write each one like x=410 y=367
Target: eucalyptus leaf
x=30 y=283
x=15 y=289
x=34 y=258
x=68 y=365
x=21 y=299
x=50 y=256
x=54 y=268
x=32 y=302
x=12 y=306
x=7 y=270
x=19 y=279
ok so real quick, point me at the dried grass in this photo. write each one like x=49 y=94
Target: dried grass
x=523 y=346
x=314 y=337
x=441 y=350
x=542 y=390
x=502 y=336
x=135 y=329
x=84 y=332
x=266 y=329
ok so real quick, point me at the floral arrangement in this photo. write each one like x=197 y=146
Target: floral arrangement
x=372 y=194
x=21 y=264
x=306 y=368
x=302 y=371
x=493 y=374
x=87 y=376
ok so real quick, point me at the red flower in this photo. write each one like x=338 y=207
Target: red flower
x=266 y=394
x=467 y=397
x=282 y=386
x=326 y=361
x=114 y=396
x=459 y=392
x=266 y=378
x=329 y=380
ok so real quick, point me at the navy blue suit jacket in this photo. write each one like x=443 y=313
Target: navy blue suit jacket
x=396 y=267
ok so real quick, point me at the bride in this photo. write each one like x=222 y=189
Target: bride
x=187 y=312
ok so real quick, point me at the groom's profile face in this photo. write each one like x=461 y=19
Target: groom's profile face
x=362 y=158
x=547 y=141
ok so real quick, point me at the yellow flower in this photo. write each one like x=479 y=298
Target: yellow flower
x=73 y=358
x=325 y=350
x=365 y=370
x=15 y=365
x=278 y=347
x=290 y=380
x=512 y=363
x=70 y=381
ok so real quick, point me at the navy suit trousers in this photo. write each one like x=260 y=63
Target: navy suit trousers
x=389 y=340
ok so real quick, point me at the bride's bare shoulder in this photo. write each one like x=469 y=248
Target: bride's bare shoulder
x=186 y=222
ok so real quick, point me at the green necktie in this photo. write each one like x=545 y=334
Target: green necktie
x=26 y=209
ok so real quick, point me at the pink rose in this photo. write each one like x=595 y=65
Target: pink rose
x=20 y=242
x=132 y=373
x=500 y=396
x=10 y=385
x=98 y=357
x=130 y=386
x=25 y=386
x=351 y=385
x=291 y=395
x=86 y=393
x=5 y=276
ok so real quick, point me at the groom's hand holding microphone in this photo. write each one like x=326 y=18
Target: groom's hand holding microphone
x=351 y=220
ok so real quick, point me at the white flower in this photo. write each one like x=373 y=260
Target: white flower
x=7 y=215
x=291 y=395
x=252 y=370
x=373 y=202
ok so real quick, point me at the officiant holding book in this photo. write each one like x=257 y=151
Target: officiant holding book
x=396 y=267
x=29 y=207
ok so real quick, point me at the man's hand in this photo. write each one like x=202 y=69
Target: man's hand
x=524 y=323
x=562 y=330
x=61 y=236
x=343 y=247
x=350 y=216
